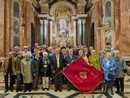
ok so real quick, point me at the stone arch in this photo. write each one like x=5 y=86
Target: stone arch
x=64 y=3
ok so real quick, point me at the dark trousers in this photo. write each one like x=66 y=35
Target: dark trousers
x=70 y=85
x=28 y=87
x=35 y=81
x=6 y=80
x=58 y=81
x=119 y=84
x=19 y=81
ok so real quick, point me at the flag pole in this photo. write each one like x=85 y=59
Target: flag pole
x=61 y=70
x=56 y=75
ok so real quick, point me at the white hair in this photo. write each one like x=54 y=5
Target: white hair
x=116 y=51
x=45 y=53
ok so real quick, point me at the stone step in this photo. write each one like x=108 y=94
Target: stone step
x=51 y=86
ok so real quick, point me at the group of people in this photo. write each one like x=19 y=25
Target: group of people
x=30 y=66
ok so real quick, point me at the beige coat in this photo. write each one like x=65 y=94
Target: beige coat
x=26 y=70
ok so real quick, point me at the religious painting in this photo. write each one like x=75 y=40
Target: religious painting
x=63 y=27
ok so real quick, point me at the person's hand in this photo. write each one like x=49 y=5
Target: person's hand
x=111 y=69
x=34 y=74
x=54 y=71
x=104 y=69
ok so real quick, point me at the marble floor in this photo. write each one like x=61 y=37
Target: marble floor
x=64 y=94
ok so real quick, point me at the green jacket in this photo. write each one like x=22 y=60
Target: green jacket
x=35 y=66
x=95 y=61
x=17 y=65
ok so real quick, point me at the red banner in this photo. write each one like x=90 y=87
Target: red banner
x=84 y=77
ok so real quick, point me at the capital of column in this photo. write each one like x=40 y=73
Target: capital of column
x=79 y=21
x=46 y=21
x=41 y=22
x=84 y=21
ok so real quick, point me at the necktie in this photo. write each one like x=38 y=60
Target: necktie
x=57 y=58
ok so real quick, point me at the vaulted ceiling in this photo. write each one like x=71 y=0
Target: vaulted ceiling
x=89 y=3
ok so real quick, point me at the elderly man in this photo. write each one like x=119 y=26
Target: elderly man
x=16 y=50
x=26 y=65
x=26 y=51
x=120 y=70
x=35 y=70
x=17 y=71
x=7 y=70
x=57 y=62
x=70 y=58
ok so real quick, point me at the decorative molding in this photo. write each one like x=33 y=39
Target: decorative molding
x=62 y=3
x=82 y=15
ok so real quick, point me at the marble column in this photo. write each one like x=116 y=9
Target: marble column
x=51 y=28
x=79 y=32
x=41 y=33
x=74 y=24
x=84 y=31
x=45 y=32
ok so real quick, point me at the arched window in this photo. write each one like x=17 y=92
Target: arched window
x=108 y=9
x=16 y=9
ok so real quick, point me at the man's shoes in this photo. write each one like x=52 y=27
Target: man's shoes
x=20 y=90
x=122 y=92
x=17 y=90
x=24 y=90
x=112 y=92
x=5 y=91
x=60 y=90
x=30 y=90
x=11 y=90
x=35 y=89
x=43 y=89
x=47 y=89
x=118 y=92
x=56 y=90
x=69 y=89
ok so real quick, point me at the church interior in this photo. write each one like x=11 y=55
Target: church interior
x=65 y=22
x=76 y=22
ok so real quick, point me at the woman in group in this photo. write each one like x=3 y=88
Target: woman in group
x=109 y=67
x=45 y=71
x=81 y=53
x=94 y=60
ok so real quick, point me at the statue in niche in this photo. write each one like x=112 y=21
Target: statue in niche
x=108 y=9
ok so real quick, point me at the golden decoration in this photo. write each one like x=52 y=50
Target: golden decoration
x=83 y=75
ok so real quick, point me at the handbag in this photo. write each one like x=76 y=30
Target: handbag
x=111 y=76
